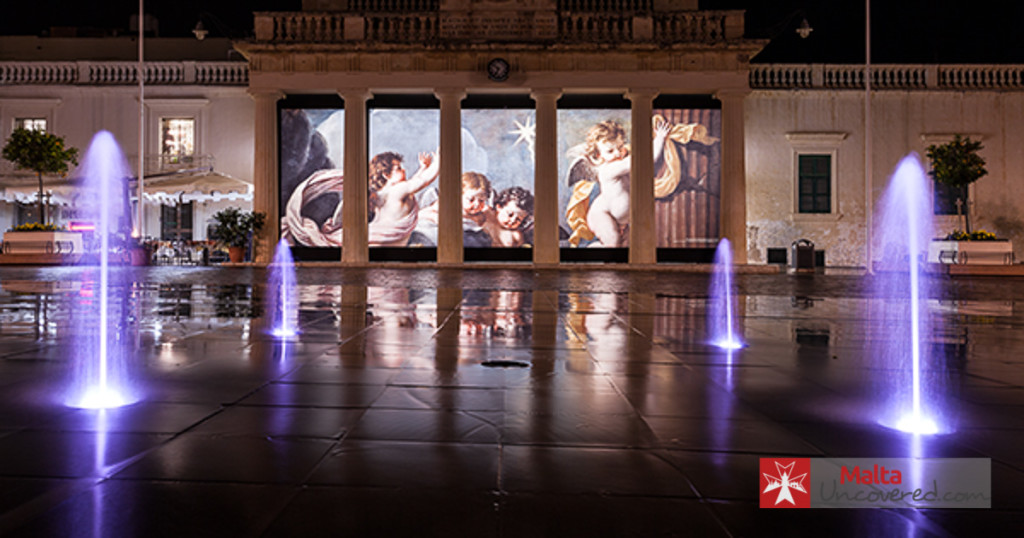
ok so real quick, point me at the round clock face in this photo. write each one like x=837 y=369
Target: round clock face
x=497 y=70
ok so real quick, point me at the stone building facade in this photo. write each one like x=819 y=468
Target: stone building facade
x=545 y=50
x=804 y=109
x=75 y=87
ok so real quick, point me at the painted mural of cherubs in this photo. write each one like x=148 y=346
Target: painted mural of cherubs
x=599 y=208
x=395 y=210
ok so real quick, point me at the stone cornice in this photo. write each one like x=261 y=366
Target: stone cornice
x=521 y=59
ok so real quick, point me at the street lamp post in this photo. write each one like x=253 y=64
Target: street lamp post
x=140 y=222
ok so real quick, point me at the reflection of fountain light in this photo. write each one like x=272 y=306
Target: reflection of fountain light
x=905 y=214
x=722 y=308
x=729 y=384
x=915 y=423
x=100 y=467
x=102 y=397
x=102 y=382
x=282 y=292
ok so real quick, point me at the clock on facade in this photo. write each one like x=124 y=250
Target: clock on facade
x=497 y=70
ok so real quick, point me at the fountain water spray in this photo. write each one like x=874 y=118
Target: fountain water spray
x=722 y=310
x=283 y=300
x=904 y=230
x=101 y=374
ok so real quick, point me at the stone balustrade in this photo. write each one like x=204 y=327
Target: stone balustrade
x=117 y=73
x=16 y=73
x=433 y=26
x=888 y=76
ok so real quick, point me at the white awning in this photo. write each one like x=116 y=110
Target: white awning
x=169 y=189
x=57 y=194
x=192 y=186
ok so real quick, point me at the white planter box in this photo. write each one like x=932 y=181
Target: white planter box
x=999 y=252
x=42 y=243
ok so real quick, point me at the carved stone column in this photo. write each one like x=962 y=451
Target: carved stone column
x=266 y=183
x=642 y=237
x=545 y=177
x=734 y=174
x=354 y=217
x=449 y=226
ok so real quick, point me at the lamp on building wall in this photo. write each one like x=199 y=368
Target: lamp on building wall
x=804 y=30
x=200 y=31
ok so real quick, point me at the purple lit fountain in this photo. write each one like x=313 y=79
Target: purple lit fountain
x=100 y=378
x=722 y=309
x=283 y=300
x=914 y=374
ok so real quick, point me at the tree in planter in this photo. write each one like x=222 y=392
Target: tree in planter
x=233 y=227
x=957 y=164
x=42 y=153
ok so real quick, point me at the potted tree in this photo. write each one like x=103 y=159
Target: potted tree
x=234 y=228
x=958 y=164
x=42 y=153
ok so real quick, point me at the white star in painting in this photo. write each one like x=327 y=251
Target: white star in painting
x=784 y=483
x=527 y=132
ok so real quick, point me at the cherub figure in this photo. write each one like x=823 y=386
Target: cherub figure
x=599 y=208
x=476 y=199
x=508 y=224
x=395 y=210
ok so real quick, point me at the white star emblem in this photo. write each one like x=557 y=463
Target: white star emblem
x=527 y=133
x=784 y=483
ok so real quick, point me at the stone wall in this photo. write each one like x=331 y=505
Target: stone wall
x=780 y=122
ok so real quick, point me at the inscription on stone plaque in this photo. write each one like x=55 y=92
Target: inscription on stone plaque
x=498 y=25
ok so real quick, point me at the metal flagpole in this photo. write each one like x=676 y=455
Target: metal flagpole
x=140 y=222
x=868 y=195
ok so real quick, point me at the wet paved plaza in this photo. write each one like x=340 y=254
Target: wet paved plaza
x=518 y=403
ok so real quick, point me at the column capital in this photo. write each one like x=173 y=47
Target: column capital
x=272 y=94
x=450 y=93
x=355 y=94
x=549 y=93
x=637 y=94
x=730 y=94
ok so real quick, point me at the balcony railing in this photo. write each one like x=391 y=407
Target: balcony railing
x=888 y=77
x=411 y=27
x=164 y=163
x=117 y=73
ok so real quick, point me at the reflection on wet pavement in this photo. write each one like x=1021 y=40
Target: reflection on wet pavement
x=483 y=403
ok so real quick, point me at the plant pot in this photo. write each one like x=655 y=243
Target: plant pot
x=236 y=254
x=995 y=252
x=42 y=242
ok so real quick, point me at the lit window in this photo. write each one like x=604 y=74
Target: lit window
x=815 y=183
x=177 y=138
x=32 y=124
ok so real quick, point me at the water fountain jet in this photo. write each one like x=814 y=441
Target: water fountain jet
x=283 y=303
x=100 y=380
x=904 y=231
x=722 y=310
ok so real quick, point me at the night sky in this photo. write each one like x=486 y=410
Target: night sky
x=907 y=31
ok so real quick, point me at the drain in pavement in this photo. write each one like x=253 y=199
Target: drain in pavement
x=505 y=363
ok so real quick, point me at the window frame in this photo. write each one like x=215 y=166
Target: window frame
x=815 y=143
x=800 y=181
x=159 y=109
x=161 y=141
x=18 y=108
x=19 y=121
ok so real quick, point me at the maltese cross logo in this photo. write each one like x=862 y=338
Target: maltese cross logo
x=780 y=480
